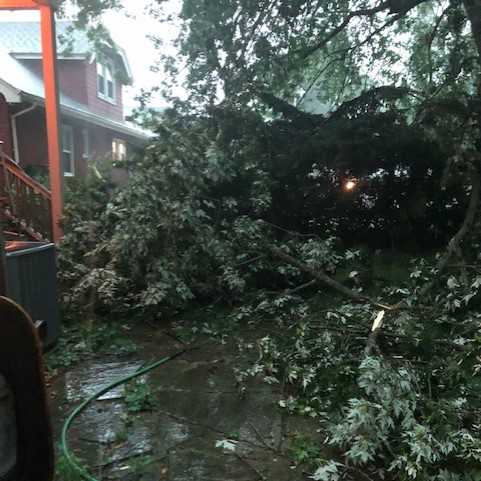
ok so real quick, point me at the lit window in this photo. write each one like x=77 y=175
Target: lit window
x=86 y=144
x=105 y=82
x=67 y=151
x=119 y=149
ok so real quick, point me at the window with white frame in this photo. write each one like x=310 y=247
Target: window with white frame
x=86 y=144
x=119 y=149
x=105 y=82
x=68 y=162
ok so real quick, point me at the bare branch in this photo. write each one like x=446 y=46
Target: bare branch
x=387 y=5
x=318 y=74
x=455 y=243
x=431 y=38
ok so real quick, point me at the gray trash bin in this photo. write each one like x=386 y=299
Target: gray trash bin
x=32 y=283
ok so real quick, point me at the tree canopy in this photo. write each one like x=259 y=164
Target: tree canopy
x=340 y=48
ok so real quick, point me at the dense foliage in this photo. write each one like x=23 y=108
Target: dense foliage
x=317 y=137
x=189 y=217
x=412 y=413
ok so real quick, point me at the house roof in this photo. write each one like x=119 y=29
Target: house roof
x=22 y=40
x=19 y=84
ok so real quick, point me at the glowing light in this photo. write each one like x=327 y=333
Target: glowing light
x=350 y=185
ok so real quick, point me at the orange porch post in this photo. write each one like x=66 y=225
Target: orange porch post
x=18 y=5
x=52 y=109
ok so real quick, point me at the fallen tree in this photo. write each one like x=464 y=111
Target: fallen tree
x=389 y=367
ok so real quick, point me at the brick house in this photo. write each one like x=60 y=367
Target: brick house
x=91 y=105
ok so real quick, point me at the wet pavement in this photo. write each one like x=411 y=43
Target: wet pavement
x=202 y=427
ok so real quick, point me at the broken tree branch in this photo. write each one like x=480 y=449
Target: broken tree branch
x=455 y=243
x=325 y=279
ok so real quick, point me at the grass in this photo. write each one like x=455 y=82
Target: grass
x=139 y=397
x=141 y=465
x=304 y=450
x=65 y=472
x=86 y=339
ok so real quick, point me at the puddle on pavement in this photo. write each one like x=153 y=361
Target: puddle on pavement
x=198 y=404
x=84 y=382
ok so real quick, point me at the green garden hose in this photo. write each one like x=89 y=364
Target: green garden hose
x=76 y=412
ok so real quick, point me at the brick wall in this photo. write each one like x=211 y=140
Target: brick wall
x=98 y=105
x=32 y=138
x=71 y=77
x=78 y=80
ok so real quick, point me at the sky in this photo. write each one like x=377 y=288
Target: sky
x=130 y=29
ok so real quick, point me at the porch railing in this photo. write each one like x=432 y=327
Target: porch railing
x=24 y=201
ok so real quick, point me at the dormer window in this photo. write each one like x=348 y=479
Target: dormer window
x=105 y=82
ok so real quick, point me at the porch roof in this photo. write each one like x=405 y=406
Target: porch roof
x=19 y=84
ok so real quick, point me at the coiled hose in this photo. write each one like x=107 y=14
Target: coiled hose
x=76 y=412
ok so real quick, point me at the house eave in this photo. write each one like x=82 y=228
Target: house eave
x=38 y=56
x=11 y=94
x=137 y=136
x=125 y=61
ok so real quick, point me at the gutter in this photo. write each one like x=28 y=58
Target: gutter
x=116 y=126
x=14 y=117
x=139 y=136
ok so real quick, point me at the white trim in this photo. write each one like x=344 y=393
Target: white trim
x=116 y=154
x=106 y=123
x=11 y=94
x=106 y=99
x=120 y=52
x=86 y=144
x=38 y=56
x=64 y=129
x=106 y=68
x=123 y=56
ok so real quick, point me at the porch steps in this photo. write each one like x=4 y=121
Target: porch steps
x=25 y=204
x=18 y=229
